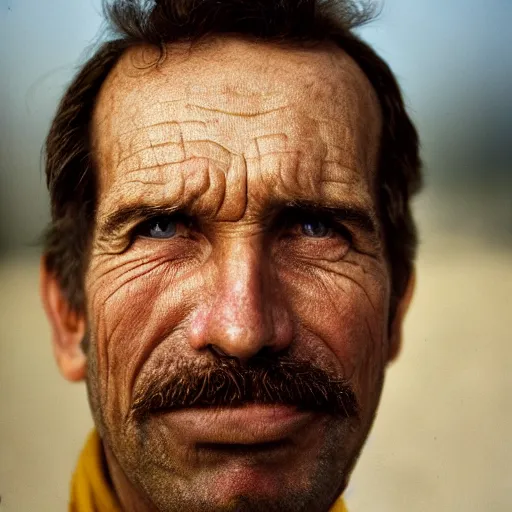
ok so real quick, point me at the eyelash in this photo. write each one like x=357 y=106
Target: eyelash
x=285 y=221
x=137 y=232
x=302 y=217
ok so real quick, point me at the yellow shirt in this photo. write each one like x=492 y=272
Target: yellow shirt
x=91 y=493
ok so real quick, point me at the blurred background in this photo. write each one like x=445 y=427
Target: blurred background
x=443 y=437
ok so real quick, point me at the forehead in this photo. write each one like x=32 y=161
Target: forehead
x=236 y=98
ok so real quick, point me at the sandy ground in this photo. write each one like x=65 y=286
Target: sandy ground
x=443 y=436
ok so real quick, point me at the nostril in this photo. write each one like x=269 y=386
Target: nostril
x=268 y=352
x=265 y=352
x=217 y=350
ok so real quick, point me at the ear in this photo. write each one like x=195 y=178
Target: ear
x=395 y=338
x=68 y=327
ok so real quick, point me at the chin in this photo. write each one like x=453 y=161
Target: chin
x=306 y=472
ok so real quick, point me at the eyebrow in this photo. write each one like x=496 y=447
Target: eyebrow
x=133 y=214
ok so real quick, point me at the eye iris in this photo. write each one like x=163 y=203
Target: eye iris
x=162 y=228
x=315 y=228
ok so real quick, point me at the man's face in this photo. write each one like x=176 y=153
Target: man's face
x=237 y=220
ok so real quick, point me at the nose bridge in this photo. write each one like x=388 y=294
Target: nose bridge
x=245 y=310
x=240 y=287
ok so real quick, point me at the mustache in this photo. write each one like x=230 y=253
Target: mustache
x=231 y=383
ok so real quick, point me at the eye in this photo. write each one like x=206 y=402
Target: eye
x=315 y=228
x=159 y=227
x=313 y=235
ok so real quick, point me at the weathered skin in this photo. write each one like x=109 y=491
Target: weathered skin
x=233 y=131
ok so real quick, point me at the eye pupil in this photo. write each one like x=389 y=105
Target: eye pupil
x=161 y=228
x=315 y=228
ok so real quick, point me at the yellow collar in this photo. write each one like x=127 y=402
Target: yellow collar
x=90 y=491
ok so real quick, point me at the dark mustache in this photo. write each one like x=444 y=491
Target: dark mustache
x=230 y=383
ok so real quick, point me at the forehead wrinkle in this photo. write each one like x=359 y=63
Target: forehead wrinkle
x=199 y=184
x=157 y=134
x=339 y=104
x=175 y=153
x=209 y=104
x=177 y=115
x=305 y=177
x=187 y=188
x=245 y=113
x=170 y=183
x=317 y=71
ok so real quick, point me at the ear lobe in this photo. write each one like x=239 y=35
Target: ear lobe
x=68 y=327
x=395 y=338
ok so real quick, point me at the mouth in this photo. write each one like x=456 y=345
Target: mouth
x=241 y=450
x=248 y=429
x=252 y=449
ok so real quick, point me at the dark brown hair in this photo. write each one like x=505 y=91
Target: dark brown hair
x=69 y=164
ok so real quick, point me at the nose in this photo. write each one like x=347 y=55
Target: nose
x=247 y=310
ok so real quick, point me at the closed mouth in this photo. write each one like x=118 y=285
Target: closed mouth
x=243 y=449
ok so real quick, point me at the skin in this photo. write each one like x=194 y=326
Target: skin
x=231 y=132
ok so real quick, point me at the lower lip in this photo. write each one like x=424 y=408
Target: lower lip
x=247 y=425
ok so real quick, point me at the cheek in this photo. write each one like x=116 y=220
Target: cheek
x=344 y=307
x=134 y=303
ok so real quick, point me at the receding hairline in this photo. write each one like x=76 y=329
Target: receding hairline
x=145 y=61
x=144 y=58
x=189 y=63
